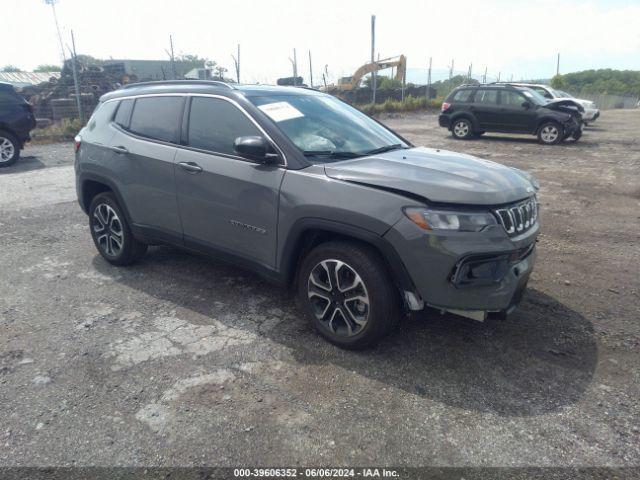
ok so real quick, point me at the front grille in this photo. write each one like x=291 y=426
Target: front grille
x=519 y=217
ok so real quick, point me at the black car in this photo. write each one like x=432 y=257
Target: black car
x=471 y=110
x=16 y=121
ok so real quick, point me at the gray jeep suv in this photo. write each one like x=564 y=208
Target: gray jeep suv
x=307 y=191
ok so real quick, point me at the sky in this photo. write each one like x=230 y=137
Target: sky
x=516 y=38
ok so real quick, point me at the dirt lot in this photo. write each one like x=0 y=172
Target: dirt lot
x=183 y=361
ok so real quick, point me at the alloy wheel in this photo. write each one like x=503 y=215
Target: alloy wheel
x=461 y=129
x=7 y=150
x=107 y=228
x=549 y=134
x=339 y=297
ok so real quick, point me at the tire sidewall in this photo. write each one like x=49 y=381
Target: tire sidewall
x=469 y=133
x=127 y=238
x=558 y=139
x=16 y=149
x=377 y=283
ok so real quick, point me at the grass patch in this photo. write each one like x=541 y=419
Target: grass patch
x=410 y=104
x=63 y=130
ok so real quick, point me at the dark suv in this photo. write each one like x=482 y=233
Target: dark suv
x=471 y=110
x=307 y=191
x=16 y=121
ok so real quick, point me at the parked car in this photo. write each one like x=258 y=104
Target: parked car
x=309 y=192
x=591 y=111
x=16 y=121
x=471 y=110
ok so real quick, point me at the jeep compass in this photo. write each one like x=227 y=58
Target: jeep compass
x=309 y=192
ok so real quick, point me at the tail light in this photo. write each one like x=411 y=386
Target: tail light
x=77 y=141
x=445 y=106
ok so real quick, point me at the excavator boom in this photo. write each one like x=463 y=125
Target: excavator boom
x=400 y=62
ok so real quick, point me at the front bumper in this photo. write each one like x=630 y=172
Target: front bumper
x=485 y=271
x=590 y=114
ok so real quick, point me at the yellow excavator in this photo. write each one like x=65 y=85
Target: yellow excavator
x=399 y=62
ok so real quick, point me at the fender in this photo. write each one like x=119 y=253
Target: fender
x=291 y=251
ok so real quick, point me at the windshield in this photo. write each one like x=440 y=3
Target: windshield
x=563 y=94
x=326 y=129
x=533 y=96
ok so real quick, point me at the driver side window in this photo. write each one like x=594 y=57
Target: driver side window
x=512 y=99
x=214 y=125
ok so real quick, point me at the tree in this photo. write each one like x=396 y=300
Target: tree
x=11 y=68
x=558 y=82
x=48 y=68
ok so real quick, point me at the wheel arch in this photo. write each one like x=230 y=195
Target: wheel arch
x=91 y=185
x=469 y=116
x=308 y=233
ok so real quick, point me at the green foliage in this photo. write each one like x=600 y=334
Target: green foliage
x=443 y=87
x=11 y=68
x=410 y=104
x=607 y=81
x=48 y=68
x=65 y=129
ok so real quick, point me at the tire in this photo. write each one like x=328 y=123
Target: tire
x=462 y=129
x=577 y=135
x=550 y=133
x=364 y=293
x=111 y=233
x=9 y=149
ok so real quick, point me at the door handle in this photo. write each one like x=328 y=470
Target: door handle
x=191 y=167
x=120 y=150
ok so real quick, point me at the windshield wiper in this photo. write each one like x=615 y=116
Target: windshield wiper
x=386 y=148
x=330 y=154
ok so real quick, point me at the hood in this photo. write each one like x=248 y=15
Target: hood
x=437 y=175
x=556 y=103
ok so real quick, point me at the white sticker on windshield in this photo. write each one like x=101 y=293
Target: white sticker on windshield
x=281 y=111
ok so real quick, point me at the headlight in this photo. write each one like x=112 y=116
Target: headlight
x=428 y=219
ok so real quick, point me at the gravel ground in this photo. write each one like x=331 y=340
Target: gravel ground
x=183 y=361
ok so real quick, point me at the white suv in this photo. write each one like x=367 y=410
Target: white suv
x=591 y=111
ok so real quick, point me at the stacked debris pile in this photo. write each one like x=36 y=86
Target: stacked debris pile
x=56 y=99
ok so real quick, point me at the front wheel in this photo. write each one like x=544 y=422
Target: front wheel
x=111 y=233
x=347 y=292
x=550 y=133
x=9 y=149
x=462 y=129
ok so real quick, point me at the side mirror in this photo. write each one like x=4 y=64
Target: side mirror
x=254 y=148
x=526 y=105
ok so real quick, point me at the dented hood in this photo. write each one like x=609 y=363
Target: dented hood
x=437 y=175
x=564 y=102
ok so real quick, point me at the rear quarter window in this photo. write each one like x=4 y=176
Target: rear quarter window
x=462 y=95
x=157 y=118
x=124 y=113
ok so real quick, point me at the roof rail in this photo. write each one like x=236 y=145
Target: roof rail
x=179 y=82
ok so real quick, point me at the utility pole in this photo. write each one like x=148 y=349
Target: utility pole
x=75 y=78
x=499 y=77
x=429 y=79
x=469 y=75
x=55 y=19
x=310 y=71
x=173 y=60
x=558 y=65
x=236 y=60
x=294 y=64
x=484 y=78
x=450 y=74
x=374 y=79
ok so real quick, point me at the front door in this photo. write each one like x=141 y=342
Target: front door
x=227 y=203
x=518 y=113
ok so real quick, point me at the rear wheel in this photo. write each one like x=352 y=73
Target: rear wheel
x=550 y=133
x=348 y=294
x=462 y=129
x=9 y=149
x=111 y=233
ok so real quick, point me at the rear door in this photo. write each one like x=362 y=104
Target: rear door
x=142 y=155
x=515 y=115
x=485 y=108
x=227 y=203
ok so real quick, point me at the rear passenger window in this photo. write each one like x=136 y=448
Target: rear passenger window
x=214 y=125
x=462 y=96
x=486 y=96
x=157 y=118
x=124 y=113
